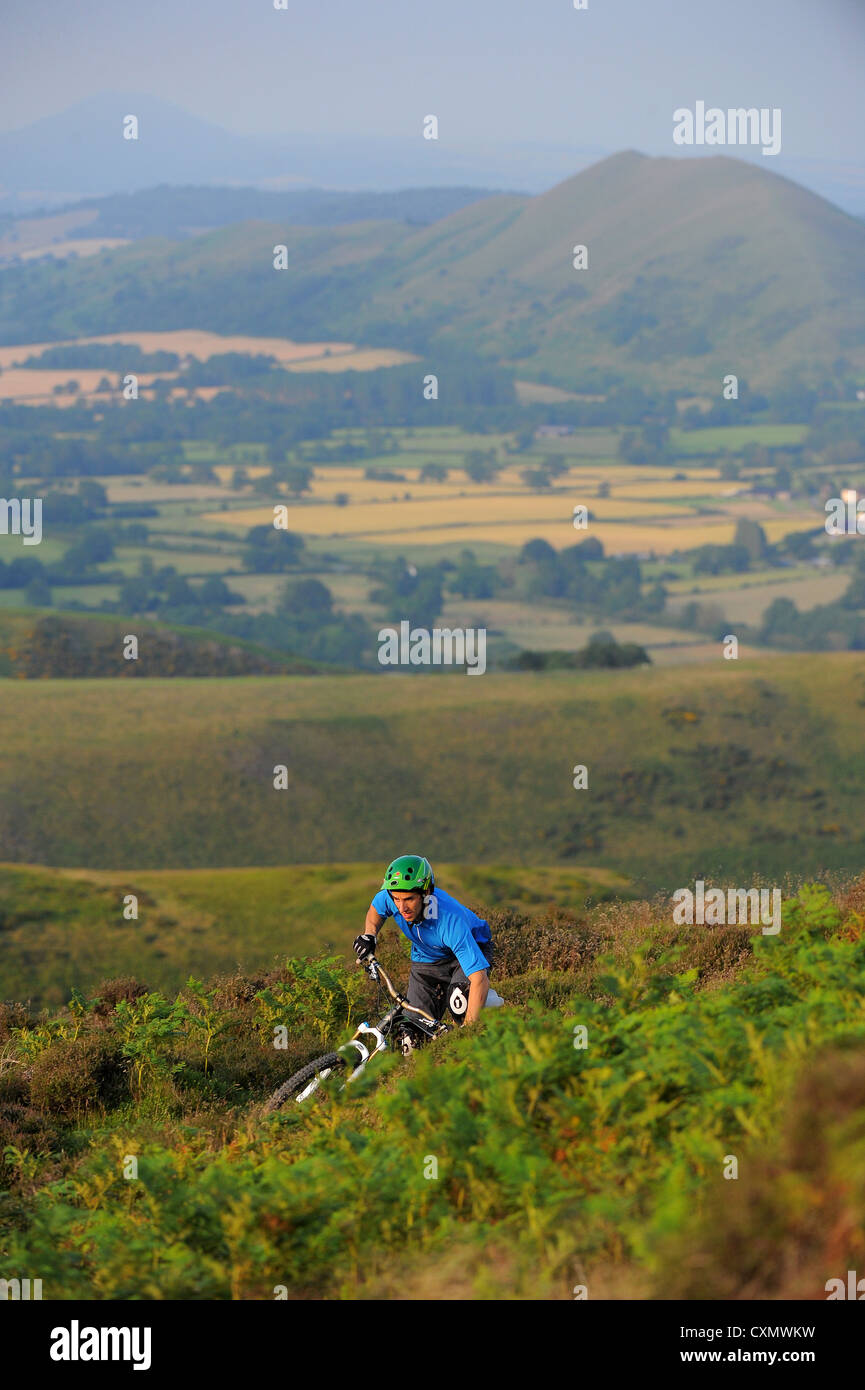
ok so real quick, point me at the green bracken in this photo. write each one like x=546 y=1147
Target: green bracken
x=583 y=1144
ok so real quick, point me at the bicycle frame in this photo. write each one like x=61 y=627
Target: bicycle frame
x=422 y=1020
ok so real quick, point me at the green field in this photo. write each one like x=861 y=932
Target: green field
x=735 y=767
x=747 y=602
x=734 y=437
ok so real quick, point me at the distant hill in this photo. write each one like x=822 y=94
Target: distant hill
x=696 y=267
x=82 y=151
x=190 y=210
x=79 y=152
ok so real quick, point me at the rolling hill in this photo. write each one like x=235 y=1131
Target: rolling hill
x=743 y=768
x=696 y=267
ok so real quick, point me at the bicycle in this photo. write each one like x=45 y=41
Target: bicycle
x=408 y=1026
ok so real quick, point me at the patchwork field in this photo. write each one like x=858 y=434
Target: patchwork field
x=351 y=522
x=29 y=233
x=646 y=511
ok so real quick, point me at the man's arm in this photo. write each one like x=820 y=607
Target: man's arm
x=373 y=921
x=479 y=988
x=364 y=946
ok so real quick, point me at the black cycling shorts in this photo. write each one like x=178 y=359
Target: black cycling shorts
x=443 y=984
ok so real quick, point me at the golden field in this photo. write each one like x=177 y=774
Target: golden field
x=616 y=538
x=646 y=512
x=506 y=510
x=187 y=342
x=83 y=246
x=362 y=360
x=35 y=385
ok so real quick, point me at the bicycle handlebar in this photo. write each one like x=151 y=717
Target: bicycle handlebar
x=374 y=969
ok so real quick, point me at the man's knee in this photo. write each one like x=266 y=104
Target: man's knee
x=458 y=997
x=460 y=986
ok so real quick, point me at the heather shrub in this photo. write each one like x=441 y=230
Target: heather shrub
x=110 y=992
x=76 y=1075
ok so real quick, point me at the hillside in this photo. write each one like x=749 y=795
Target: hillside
x=64 y=930
x=219 y=281
x=737 y=768
x=572 y=1144
x=696 y=266
x=692 y=263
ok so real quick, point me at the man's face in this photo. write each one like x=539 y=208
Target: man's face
x=409 y=905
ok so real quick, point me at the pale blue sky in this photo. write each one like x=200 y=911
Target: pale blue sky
x=494 y=71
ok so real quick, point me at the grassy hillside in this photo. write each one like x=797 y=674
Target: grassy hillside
x=223 y=281
x=694 y=264
x=579 y=1137
x=64 y=930
x=688 y=264
x=733 y=768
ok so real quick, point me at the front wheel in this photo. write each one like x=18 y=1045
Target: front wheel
x=306 y=1081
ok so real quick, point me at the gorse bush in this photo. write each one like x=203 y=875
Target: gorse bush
x=577 y=1136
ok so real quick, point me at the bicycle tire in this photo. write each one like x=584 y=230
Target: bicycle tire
x=330 y=1061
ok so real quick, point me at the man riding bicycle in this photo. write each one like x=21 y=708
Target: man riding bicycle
x=451 y=947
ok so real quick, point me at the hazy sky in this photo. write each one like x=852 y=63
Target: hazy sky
x=492 y=70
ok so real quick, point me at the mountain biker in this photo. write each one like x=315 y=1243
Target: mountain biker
x=451 y=947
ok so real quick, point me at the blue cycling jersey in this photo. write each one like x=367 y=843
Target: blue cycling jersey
x=447 y=929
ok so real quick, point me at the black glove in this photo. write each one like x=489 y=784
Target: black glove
x=364 y=945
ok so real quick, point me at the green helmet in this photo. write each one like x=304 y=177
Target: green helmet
x=409 y=874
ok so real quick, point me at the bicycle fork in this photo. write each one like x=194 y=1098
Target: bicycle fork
x=364 y=1052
